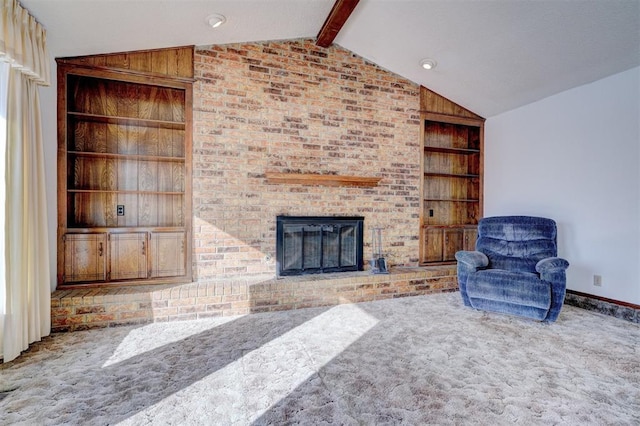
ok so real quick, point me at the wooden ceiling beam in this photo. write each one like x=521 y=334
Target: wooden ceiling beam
x=335 y=21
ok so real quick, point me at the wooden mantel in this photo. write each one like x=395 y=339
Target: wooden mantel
x=324 y=180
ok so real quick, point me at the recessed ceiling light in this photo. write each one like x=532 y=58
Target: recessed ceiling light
x=215 y=20
x=428 y=64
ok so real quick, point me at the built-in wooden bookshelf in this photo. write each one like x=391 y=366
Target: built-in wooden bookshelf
x=452 y=167
x=124 y=161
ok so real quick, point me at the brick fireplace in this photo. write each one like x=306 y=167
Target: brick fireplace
x=285 y=108
x=292 y=107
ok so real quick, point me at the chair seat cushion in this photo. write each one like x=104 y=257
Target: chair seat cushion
x=518 y=288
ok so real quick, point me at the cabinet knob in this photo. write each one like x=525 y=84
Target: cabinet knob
x=143 y=249
x=100 y=249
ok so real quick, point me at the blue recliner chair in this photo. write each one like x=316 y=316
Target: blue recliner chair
x=515 y=268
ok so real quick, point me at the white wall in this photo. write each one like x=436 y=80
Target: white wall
x=575 y=157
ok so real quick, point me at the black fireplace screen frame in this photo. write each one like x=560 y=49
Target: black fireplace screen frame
x=341 y=229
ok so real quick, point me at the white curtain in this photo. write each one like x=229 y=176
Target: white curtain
x=25 y=298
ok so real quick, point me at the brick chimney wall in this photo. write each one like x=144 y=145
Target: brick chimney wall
x=293 y=107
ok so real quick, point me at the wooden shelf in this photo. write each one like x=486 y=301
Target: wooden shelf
x=114 y=229
x=445 y=150
x=126 y=156
x=322 y=180
x=116 y=191
x=452 y=175
x=453 y=200
x=451 y=225
x=109 y=119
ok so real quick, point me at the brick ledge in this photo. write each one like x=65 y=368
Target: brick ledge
x=83 y=308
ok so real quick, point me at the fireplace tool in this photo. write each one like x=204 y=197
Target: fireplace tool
x=378 y=262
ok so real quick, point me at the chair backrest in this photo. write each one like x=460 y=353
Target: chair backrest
x=516 y=243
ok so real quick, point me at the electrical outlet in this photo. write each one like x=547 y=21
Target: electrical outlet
x=597 y=280
x=120 y=210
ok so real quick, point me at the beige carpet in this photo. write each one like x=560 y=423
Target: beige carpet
x=416 y=360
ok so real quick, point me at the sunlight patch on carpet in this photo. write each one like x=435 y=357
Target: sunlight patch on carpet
x=153 y=336
x=262 y=377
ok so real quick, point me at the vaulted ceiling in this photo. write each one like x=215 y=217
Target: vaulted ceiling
x=492 y=55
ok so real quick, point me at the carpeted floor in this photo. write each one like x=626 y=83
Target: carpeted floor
x=415 y=360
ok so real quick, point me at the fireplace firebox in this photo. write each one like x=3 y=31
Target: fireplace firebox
x=318 y=244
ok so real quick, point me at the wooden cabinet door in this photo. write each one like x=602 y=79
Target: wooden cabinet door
x=168 y=254
x=85 y=257
x=453 y=242
x=433 y=243
x=128 y=253
x=470 y=237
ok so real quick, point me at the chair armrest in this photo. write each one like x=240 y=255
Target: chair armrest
x=468 y=263
x=553 y=270
x=474 y=259
x=551 y=264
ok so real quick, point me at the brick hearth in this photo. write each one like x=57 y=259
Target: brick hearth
x=83 y=308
